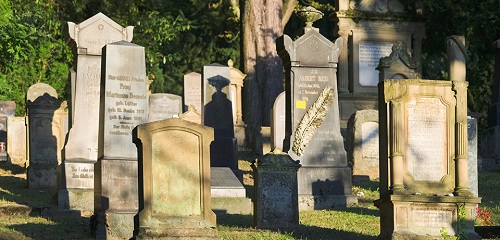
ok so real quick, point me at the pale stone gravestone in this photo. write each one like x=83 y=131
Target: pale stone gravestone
x=278 y=122
x=472 y=156
x=237 y=78
x=366 y=39
x=164 y=106
x=398 y=65
x=192 y=91
x=123 y=106
x=81 y=148
x=16 y=140
x=175 y=185
x=7 y=108
x=490 y=138
x=46 y=127
x=217 y=113
x=423 y=160
x=312 y=125
x=191 y=115
x=362 y=145
x=276 y=191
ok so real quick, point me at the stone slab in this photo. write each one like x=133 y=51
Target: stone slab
x=224 y=183
x=232 y=205
x=472 y=156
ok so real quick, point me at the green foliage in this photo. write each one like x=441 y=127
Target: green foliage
x=32 y=50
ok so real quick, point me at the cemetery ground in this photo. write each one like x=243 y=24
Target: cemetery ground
x=29 y=214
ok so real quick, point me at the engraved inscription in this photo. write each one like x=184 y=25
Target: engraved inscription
x=427 y=141
x=369 y=57
x=432 y=218
x=369 y=141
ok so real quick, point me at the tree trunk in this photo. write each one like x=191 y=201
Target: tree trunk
x=264 y=81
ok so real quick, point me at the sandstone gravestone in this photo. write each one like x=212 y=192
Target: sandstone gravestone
x=123 y=106
x=16 y=140
x=362 y=145
x=191 y=115
x=164 y=106
x=81 y=148
x=192 y=91
x=312 y=125
x=278 y=122
x=366 y=39
x=217 y=113
x=175 y=185
x=237 y=78
x=423 y=159
x=276 y=194
x=46 y=127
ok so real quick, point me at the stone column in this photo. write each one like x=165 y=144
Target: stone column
x=457 y=57
x=395 y=148
x=461 y=150
x=343 y=65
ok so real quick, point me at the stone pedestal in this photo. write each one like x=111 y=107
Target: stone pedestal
x=276 y=191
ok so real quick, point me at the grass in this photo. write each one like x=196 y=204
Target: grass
x=357 y=222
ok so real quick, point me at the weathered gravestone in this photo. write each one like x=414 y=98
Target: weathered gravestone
x=278 y=122
x=191 y=115
x=192 y=91
x=164 y=106
x=7 y=108
x=472 y=156
x=237 y=77
x=217 y=113
x=123 y=106
x=47 y=127
x=276 y=191
x=16 y=140
x=175 y=185
x=362 y=145
x=369 y=29
x=423 y=160
x=313 y=119
x=81 y=148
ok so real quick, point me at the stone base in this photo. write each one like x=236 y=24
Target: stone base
x=426 y=217
x=489 y=143
x=325 y=187
x=121 y=225
x=42 y=176
x=231 y=205
x=76 y=199
x=176 y=233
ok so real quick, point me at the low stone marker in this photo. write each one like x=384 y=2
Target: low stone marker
x=276 y=191
x=362 y=145
x=424 y=160
x=175 y=185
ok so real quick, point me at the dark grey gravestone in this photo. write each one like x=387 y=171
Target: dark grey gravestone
x=325 y=178
x=123 y=106
x=164 y=106
x=217 y=113
x=276 y=191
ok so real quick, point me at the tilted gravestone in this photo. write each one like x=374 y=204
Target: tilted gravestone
x=175 y=185
x=312 y=121
x=46 y=127
x=164 y=106
x=81 y=148
x=123 y=106
x=16 y=140
x=192 y=91
x=362 y=145
x=424 y=160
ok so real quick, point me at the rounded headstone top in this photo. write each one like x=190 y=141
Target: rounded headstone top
x=38 y=90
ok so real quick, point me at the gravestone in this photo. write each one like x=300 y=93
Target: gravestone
x=362 y=145
x=217 y=113
x=276 y=191
x=192 y=91
x=164 y=106
x=424 y=160
x=398 y=65
x=369 y=29
x=7 y=108
x=81 y=148
x=472 y=156
x=312 y=121
x=123 y=106
x=191 y=115
x=278 y=122
x=16 y=140
x=175 y=185
x=46 y=126
x=489 y=145
x=237 y=78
